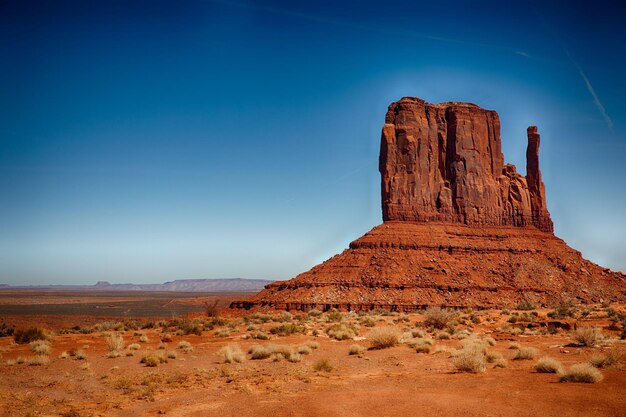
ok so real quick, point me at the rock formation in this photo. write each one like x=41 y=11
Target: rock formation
x=460 y=229
x=444 y=162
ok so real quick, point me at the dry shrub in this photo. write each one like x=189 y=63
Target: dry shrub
x=171 y=354
x=514 y=345
x=115 y=341
x=304 y=350
x=525 y=353
x=24 y=336
x=143 y=338
x=231 y=354
x=548 y=365
x=357 y=349
x=342 y=331
x=152 y=359
x=313 y=345
x=581 y=372
x=470 y=359
x=259 y=352
x=185 y=346
x=500 y=363
x=588 y=336
x=384 y=338
x=79 y=354
x=606 y=361
x=40 y=347
x=38 y=360
x=439 y=318
x=134 y=346
x=323 y=365
x=493 y=357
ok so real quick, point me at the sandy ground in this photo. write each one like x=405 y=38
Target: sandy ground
x=386 y=382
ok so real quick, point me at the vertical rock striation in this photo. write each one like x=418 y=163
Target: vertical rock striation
x=444 y=162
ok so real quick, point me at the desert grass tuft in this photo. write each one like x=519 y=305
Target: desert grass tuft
x=357 y=349
x=548 y=365
x=40 y=347
x=323 y=365
x=525 y=353
x=588 y=336
x=607 y=360
x=471 y=358
x=185 y=346
x=384 y=338
x=582 y=372
x=231 y=354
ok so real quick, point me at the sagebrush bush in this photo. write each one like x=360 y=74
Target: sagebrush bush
x=40 y=347
x=152 y=359
x=259 y=352
x=231 y=354
x=383 y=338
x=342 y=331
x=470 y=359
x=304 y=350
x=134 y=346
x=115 y=343
x=80 y=354
x=588 y=336
x=24 y=336
x=287 y=329
x=525 y=353
x=185 y=346
x=548 y=365
x=356 y=349
x=323 y=365
x=439 y=318
x=607 y=360
x=493 y=357
x=581 y=372
x=38 y=360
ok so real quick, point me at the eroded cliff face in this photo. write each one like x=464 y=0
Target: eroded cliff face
x=444 y=162
x=462 y=229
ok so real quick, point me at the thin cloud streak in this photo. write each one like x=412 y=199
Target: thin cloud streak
x=596 y=100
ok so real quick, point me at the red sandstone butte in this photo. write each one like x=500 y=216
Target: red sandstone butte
x=461 y=228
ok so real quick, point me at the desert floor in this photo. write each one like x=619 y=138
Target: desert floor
x=97 y=371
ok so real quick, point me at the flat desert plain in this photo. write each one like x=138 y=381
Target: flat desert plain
x=563 y=361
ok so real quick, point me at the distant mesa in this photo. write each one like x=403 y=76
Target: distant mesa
x=186 y=285
x=461 y=228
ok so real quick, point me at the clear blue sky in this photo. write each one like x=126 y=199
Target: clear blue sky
x=232 y=138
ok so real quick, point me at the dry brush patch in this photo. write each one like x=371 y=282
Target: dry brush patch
x=231 y=354
x=384 y=337
x=581 y=372
x=548 y=365
x=588 y=336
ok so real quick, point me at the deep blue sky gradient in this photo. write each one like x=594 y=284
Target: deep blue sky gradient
x=149 y=141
